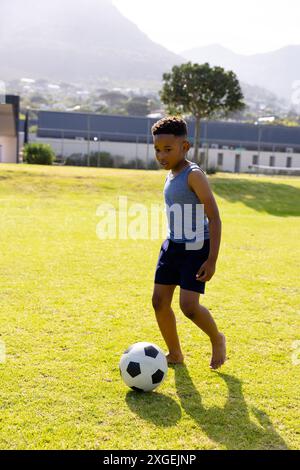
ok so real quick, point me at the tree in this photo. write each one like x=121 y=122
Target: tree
x=202 y=92
x=114 y=98
x=138 y=106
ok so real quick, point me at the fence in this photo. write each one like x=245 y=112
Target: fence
x=136 y=150
x=135 y=154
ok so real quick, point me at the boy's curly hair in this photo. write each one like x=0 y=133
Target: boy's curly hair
x=170 y=125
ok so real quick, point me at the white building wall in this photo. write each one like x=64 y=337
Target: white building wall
x=67 y=147
x=8 y=149
x=246 y=159
x=145 y=152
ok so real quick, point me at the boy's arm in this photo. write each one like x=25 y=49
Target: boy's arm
x=198 y=183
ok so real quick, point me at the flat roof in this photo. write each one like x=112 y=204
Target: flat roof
x=71 y=124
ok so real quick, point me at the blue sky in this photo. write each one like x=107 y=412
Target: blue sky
x=244 y=26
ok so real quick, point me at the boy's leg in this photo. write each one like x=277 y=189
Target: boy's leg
x=189 y=304
x=161 y=301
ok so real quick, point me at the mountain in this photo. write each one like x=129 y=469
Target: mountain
x=277 y=71
x=84 y=40
x=76 y=40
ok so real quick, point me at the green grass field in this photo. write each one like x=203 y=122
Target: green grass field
x=72 y=303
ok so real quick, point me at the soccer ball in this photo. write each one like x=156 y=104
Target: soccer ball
x=143 y=366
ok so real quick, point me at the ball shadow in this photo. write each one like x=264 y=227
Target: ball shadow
x=155 y=407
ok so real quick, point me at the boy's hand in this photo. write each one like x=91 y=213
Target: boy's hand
x=206 y=271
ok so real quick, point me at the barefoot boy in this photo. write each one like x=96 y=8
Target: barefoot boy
x=186 y=184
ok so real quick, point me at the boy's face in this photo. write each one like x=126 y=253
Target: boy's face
x=170 y=149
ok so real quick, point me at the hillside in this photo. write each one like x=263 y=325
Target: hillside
x=67 y=40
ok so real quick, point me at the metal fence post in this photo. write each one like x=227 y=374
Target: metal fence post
x=259 y=146
x=98 y=155
x=147 y=151
x=62 y=146
x=136 y=151
x=88 y=142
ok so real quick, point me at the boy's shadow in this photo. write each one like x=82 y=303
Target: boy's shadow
x=278 y=199
x=231 y=426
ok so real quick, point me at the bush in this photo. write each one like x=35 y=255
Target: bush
x=134 y=163
x=153 y=165
x=212 y=170
x=38 y=154
x=76 y=159
x=104 y=159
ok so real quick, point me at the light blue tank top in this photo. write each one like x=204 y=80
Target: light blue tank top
x=187 y=221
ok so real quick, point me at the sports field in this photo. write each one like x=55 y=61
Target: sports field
x=72 y=303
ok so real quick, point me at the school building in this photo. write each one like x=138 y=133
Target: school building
x=231 y=146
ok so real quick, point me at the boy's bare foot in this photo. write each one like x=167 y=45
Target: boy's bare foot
x=175 y=358
x=218 y=352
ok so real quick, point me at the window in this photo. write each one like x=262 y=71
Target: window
x=237 y=164
x=272 y=161
x=220 y=159
x=288 y=162
x=254 y=159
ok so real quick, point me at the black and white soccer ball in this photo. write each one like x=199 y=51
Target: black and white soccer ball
x=143 y=366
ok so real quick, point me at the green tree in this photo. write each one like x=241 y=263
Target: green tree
x=114 y=98
x=203 y=92
x=138 y=106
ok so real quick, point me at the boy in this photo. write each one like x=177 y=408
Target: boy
x=177 y=264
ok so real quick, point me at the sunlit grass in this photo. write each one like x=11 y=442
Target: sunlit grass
x=71 y=304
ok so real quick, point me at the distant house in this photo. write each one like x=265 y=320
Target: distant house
x=9 y=129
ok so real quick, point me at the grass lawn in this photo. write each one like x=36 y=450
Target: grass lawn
x=72 y=303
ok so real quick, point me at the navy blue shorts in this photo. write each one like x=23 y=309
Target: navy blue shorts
x=179 y=266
